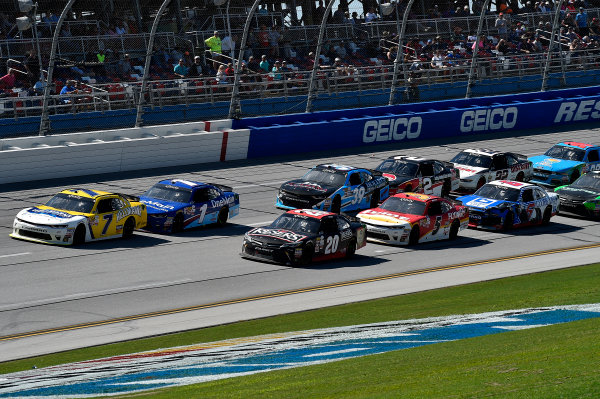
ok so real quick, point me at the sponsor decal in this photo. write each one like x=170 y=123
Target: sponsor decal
x=94 y=220
x=221 y=202
x=157 y=205
x=520 y=166
x=488 y=119
x=308 y=185
x=51 y=212
x=285 y=235
x=163 y=368
x=132 y=210
x=389 y=176
x=591 y=167
x=578 y=111
x=392 y=129
x=189 y=210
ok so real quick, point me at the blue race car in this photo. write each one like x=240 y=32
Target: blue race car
x=564 y=163
x=175 y=205
x=504 y=204
x=335 y=188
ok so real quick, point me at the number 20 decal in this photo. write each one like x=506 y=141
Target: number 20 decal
x=332 y=244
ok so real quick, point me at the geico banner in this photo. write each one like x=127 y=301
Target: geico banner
x=296 y=137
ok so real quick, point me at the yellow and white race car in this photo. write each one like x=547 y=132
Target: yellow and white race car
x=75 y=216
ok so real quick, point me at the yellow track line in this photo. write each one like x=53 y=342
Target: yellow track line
x=292 y=292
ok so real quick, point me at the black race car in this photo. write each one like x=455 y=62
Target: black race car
x=301 y=236
x=419 y=175
x=582 y=197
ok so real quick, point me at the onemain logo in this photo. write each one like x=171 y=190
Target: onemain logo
x=488 y=119
x=582 y=111
x=392 y=129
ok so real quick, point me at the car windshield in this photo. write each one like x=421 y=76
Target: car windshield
x=492 y=191
x=398 y=167
x=567 y=153
x=70 y=202
x=472 y=159
x=404 y=205
x=329 y=178
x=296 y=223
x=588 y=181
x=170 y=193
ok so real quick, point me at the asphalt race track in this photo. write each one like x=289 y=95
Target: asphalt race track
x=47 y=291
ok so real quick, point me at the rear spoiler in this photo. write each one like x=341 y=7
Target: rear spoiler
x=375 y=173
x=222 y=187
x=129 y=197
x=520 y=156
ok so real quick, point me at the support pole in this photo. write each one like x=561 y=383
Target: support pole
x=400 y=52
x=551 y=47
x=476 y=50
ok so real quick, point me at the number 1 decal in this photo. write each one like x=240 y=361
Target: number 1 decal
x=202 y=213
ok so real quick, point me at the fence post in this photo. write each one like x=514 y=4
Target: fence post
x=400 y=51
x=476 y=50
x=551 y=47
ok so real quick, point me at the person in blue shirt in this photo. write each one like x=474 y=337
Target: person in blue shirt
x=582 y=22
x=180 y=69
x=69 y=88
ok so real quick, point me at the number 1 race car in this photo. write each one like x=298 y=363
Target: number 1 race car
x=75 y=216
x=335 y=188
x=175 y=205
x=480 y=166
x=564 y=163
x=301 y=236
x=410 y=218
x=502 y=205
x=419 y=175
x=582 y=197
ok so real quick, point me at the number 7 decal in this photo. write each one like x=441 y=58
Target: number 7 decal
x=108 y=217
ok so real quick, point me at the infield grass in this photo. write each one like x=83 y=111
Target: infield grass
x=560 y=361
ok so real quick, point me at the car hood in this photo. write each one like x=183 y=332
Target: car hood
x=553 y=164
x=157 y=206
x=272 y=236
x=577 y=193
x=303 y=187
x=49 y=216
x=475 y=201
x=383 y=217
x=467 y=171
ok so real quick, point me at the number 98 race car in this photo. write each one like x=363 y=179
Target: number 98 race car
x=301 y=236
x=335 y=188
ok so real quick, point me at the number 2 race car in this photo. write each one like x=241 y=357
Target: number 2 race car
x=564 y=163
x=77 y=215
x=480 y=166
x=502 y=205
x=301 y=236
x=410 y=218
x=175 y=205
x=419 y=175
x=335 y=188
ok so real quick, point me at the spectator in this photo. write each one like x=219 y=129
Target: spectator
x=274 y=37
x=276 y=72
x=221 y=75
x=228 y=46
x=101 y=56
x=286 y=42
x=264 y=64
x=121 y=28
x=568 y=21
x=437 y=61
x=536 y=44
x=371 y=16
x=319 y=13
x=7 y=82
x=502 y=26
x=180 y=69
x=480 y=43
x=124 y=67
x=525 y=45
x=595 y=27
x=230 y=72
x=340 y=50
x=253 y=65
x=214 y=44
x=582 y=22
x=263 y=38
x=69 y=88
x=354 y=20
x=32 y=66
x=502 y=47
x=196 y=68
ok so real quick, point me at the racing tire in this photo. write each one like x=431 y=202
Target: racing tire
x=547 y=216
x=408 y=189
x=445 y=189
x=336 y=205
x=374 y=200
x=222 y=217
x=454 y=230
x=351 y=250
x=177 y=224
x=128 y=228
x=574 y=176
x=509 y=221
x=520 y=176
x=480 y=183
x=79 y=235
x=413 y=238
x=307 y=255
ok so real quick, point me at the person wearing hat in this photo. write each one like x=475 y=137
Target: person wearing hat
x=276 y=71
x=581 y=19
x=195 y=70
x=595 y=27
x=502 y=26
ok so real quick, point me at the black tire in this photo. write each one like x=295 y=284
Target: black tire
x=79 y=235
x=128 y=228
x=351 y=250
x=374 y=200
x=408 y=189
x=307 y=255
x=222 y=217
x=520 y=176
x=454 y=230
x=509 y=220
x=413 y=238
x=480 y=183
x=547 y=216
x=574 y=176
x=445 y=189
x=336 y=205
x=177 y=224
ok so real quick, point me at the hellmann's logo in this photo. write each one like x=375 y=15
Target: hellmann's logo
x=481 y=120
x=578 y=111
x=392 y=129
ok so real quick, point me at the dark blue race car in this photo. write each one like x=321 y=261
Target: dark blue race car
x=175 y=205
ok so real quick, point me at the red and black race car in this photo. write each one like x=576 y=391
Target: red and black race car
x=419 y=175
x=301 y=236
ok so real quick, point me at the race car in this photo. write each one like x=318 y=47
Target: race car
x=75 y=216
x=410 y=218
x=564 y=162
x=582 y=197
x=301 y=236
x=419 y=175
x=175 y=205
x=335 y=188
x=504 y=204
x=480 y=166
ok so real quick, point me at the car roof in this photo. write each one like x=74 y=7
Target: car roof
x=417 y=196
x=85 y=192
x=408 y=158
x=336 y=167
x=482 y=151
x=311 y=213
x=576 y=144
x=511 y=184
x=183 y=183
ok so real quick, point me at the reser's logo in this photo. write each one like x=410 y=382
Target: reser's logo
x=488 y=119
x=582 y=111
x=392 y=129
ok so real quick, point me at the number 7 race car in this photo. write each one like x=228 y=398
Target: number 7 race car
x=301 y=236
x=335 y=188
x=77 y=215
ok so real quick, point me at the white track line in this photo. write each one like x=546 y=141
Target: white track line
x=19 y=254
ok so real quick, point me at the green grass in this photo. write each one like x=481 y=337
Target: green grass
x=560 y=361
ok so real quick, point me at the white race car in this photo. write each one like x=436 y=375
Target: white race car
x=480 y=166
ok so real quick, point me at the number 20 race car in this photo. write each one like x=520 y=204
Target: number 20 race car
x=77 y=215
x=335 y=188
x=301 y=236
